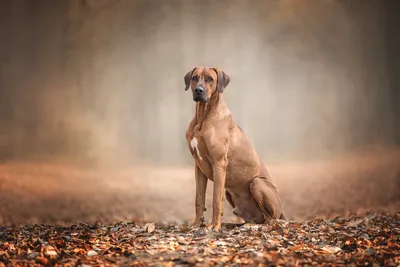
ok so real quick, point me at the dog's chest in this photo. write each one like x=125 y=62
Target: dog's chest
x=199 y=153
x=197 y=147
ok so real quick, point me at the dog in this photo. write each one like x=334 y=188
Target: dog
x=224 y=155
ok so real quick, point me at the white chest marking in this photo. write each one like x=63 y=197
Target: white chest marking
x=194 y=144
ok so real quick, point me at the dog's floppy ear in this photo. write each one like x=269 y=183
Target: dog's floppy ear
x=223 y=80
x=187 y=79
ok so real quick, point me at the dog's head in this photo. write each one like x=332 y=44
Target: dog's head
x=205 y=82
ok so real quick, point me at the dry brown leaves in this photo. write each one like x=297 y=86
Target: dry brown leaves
x=373 y=240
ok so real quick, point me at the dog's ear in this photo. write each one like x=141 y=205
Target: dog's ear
x=187 y=79
x=223 y=80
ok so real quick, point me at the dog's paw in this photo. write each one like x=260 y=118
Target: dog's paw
x=195 y=224
x=198 y=223
x=214 y=227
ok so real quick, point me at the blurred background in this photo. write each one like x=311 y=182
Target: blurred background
x=100 y=82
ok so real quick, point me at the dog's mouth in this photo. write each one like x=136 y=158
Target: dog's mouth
x=200 y=98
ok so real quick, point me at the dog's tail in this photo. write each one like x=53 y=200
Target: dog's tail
x=282 y=217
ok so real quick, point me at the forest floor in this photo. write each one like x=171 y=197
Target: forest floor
x=341 y=212
x=372 y=240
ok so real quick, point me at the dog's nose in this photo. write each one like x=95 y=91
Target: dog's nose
x=198 y=90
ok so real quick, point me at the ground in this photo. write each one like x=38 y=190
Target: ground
x=340 y=211
x=372 y=240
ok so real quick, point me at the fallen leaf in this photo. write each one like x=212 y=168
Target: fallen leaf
x=150 y=227
x=331 y=249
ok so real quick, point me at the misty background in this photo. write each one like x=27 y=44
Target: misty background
x=103 y=80
x=94 y=83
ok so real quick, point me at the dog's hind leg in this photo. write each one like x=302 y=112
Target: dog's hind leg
x=266 y=196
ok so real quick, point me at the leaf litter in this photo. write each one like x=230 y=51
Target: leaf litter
x=373 y=240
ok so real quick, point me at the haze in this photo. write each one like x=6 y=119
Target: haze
x=93 y=111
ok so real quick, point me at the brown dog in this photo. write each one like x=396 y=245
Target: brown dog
x=224 y=155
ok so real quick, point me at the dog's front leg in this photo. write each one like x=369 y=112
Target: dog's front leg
x=219 y=176
x=200 y=200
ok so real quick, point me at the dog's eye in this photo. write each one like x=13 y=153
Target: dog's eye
x=209 y=79
x=195 y=78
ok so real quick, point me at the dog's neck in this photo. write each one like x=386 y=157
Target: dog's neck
x=204 y=108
